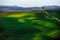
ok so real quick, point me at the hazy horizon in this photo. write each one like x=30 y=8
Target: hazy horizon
x=29 y=3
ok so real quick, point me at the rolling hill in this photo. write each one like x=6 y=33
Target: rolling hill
x=18 y=9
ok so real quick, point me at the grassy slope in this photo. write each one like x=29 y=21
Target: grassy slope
x=35 y=22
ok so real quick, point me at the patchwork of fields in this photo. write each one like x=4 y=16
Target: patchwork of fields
x=33 y=25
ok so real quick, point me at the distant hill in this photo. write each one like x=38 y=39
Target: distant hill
x=52 y=7
x=18 y=9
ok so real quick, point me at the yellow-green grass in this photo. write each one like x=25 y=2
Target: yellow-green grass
x=45 y=25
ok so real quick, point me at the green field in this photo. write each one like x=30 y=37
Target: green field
x=33 y=25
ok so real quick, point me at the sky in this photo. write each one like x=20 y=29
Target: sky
x=29 y=3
